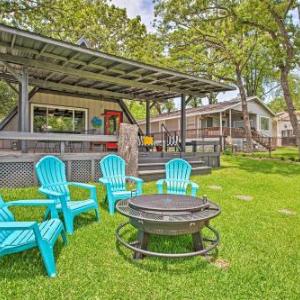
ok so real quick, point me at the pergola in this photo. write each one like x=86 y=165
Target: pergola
x=44 y=63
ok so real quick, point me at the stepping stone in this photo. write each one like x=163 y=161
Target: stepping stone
x=244 y=197
x=287 y=212
x=215 y=187
x=221 y=264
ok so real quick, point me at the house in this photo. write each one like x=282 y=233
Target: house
x=283 y=129
x=71 y=103
x=220 y=119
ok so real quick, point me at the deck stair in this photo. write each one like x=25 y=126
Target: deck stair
x=152 y=167
x=264 y=141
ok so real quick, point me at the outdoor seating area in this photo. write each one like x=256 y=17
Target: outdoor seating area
x=92 y=265
x=149 y=149
x=51 y=174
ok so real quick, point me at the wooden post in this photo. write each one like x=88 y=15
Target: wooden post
x=24 y=106
x=230 y=121
x=183 y=123
x=128 y=147
x=147 y=117
x=221 y=125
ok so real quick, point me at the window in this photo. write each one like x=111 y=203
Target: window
x=209 y=122
x=264 y=123
x=58 y=119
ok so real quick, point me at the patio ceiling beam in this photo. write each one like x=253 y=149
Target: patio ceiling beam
x=89 y=75
x=83 y=65
x=12 y=71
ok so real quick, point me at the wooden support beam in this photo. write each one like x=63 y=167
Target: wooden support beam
x=89 y=75
x=147 y=117
x=12 y=71
x=16 y=90
x=183 y=123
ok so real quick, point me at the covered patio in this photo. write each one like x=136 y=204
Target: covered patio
x=37 y=63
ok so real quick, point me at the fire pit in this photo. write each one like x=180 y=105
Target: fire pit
x=168 y=215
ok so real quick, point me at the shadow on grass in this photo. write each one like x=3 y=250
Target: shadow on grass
x=166 y=244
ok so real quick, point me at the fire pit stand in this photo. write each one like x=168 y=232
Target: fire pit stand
x=170 y=215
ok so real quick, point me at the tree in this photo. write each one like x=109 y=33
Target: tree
x=273 y=20
x=206 y=39
x=278 y=104
x=104 y=26
x=8 y=99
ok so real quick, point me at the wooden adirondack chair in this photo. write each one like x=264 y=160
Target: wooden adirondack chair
x=114 y=179
x=51 y=173
x=19 y=236
x=178 y=173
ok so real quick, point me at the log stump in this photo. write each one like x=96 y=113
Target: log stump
x=128 y=147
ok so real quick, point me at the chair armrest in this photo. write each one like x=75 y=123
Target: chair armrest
x=49 y=203
x=136 y=179
x=35 y=202
x=82 y=185
x=160 y=181
x=91 y=188
x=50 y=192
x=159 y=185
x=194 y=185
x=17 y=225
x=104 y=180
x=195 y=188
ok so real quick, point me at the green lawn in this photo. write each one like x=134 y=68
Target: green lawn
x=261 y=245
x=282 y=153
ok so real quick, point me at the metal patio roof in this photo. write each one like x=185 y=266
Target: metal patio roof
x=60 y=66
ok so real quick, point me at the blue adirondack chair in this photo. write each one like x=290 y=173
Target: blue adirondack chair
x=114 y=179
x=177 y=180
x=19 y=236
x=51 y=173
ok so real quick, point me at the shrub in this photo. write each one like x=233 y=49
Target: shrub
x=292 y=158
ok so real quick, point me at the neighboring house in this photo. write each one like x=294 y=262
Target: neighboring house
x=283 y=129
x=224 y=118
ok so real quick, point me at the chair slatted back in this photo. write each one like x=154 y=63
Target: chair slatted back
x=113 y=169
x=51 y=173
x=5 y=216
x=178 y=173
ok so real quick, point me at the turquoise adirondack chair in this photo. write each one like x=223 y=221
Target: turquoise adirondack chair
x=177 y=180
x=18 y=236
x=51 y=173
x=114 y=179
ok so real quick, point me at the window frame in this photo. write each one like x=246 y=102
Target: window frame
x=260 y=119
x=47 y=106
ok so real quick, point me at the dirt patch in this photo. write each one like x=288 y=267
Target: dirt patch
x=287 y=212
x=221 y=264
x=244 y=197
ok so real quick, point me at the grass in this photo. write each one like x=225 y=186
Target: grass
x=260 y=244
x=282 y=153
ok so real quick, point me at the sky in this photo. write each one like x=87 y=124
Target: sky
x=143 y=8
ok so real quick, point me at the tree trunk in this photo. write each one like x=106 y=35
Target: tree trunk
x=284 y=81
x=128 y=147
x=248 y=134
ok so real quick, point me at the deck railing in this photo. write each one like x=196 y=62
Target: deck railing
x=54 y=142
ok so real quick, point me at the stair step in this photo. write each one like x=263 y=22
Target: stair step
x=150 y=175
x=143 y=164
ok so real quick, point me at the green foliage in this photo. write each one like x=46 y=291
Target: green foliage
x=260 y=243
x=105 y=27
x=278 y=104
x=8 y=99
